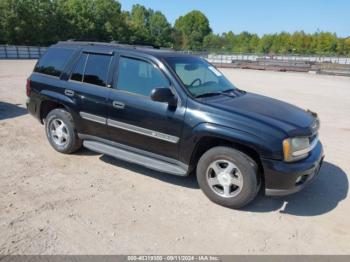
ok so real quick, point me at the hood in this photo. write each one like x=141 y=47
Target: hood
x=274 y=112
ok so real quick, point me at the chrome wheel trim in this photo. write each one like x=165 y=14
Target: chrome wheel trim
x=59 y=132
x=224 y=178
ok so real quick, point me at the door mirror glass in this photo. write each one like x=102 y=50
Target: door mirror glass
x=164 y=95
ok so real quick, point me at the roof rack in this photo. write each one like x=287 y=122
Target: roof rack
x=116 y=43
x=136 y=45
x=72 y=41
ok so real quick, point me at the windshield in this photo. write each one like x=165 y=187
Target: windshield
x=199 y=76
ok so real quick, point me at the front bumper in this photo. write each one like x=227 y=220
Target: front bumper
x=281 y=178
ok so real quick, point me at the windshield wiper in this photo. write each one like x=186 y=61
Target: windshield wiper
x=209 y=94
x=225 y=92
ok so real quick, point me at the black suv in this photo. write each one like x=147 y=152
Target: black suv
x=173 y=113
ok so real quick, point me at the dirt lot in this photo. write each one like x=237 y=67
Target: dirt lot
x=89 y=203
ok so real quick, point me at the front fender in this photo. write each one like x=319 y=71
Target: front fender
x=252 y=141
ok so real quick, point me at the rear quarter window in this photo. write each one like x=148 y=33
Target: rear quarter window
x=53 y=61
x=92 y=69
x=96 y=69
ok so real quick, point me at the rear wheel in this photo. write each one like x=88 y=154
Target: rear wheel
x=60 y=131
x=228 y=177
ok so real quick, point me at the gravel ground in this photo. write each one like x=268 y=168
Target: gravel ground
x=87 y=203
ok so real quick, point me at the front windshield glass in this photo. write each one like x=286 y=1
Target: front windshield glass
x=199 y=76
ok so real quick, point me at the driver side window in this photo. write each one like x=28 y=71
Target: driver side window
x=139 y=77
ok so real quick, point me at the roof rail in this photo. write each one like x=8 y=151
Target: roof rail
x=116 y=43
x=135 y=45
x=72 y=41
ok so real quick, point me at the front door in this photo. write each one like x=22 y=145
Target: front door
x=136 y=120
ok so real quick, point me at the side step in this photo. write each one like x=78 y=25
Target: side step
x=133 y=157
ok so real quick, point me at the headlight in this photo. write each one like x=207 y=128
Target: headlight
x=297 y=148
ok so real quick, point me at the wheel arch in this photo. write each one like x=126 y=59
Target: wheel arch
x=52 y=100
x=207 y=142
x=237 y=140
x=47 y=106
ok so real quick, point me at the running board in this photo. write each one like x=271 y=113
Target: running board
x=133 y=157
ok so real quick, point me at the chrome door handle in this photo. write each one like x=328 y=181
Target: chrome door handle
x=118 y=105
x=69 y=92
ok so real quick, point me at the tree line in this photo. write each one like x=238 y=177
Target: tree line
x=44 y=22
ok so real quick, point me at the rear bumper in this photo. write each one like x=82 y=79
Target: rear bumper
x=33 y=107
x=281 y=178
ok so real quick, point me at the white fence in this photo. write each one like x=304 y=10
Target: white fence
x=35 y=52
x=229 y=58
x=21 y=52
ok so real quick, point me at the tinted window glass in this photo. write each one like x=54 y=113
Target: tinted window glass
x=140 y=77
x=96 y=69
x=78 y=71
x=53 y=61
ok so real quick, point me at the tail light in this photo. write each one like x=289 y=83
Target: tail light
x=28 y=87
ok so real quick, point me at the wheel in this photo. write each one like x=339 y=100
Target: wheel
x=228 y=177
x=60 y=131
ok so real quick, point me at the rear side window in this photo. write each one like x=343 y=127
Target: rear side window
x=96 y=69
x=92 y=69
x=140 y=77
x=53 y=61
x=78 y=72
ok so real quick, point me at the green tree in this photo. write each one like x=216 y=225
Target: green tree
x=254 y=43
x=97 y=20
x=326 y=43
x=229 y=40
x=43 y=22
x=301 y=43
x=138 y=22
x=245 y=43
x=281 y=43
x=266 y=43
x=343 y=46
x=213 y=42
x=149 y=26
x=160 y=29
x=191 y=29
x=28 y=21
x=347 y=46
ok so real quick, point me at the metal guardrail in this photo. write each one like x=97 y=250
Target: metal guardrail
x=35 y=52
x=21 y=52
x=221 y=58
x=298 y=63
x=318 y=64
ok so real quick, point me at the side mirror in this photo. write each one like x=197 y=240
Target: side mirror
x=164 y=95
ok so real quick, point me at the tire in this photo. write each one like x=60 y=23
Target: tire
x=228 y=177
x=61 y=132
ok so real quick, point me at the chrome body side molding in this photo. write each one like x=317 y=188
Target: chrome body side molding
x=131 y=128
x=143 y=131
x=93 y=118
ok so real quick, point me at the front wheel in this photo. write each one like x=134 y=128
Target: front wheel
x=228 y=177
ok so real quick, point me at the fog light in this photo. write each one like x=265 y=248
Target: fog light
x=300 y=180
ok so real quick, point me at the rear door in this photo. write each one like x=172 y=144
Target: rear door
x=89 y=83
x=136 y=120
